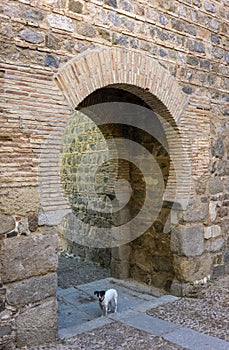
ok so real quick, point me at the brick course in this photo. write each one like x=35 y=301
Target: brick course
x=173 y=55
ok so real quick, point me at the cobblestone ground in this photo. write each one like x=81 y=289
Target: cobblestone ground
x=72 y=272
x=207 y=313
x=114 y=336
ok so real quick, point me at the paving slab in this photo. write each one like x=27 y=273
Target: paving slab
x=79 y=311
x=77 y=305
x=72 y=331
x=193 y=340
x=149 y=324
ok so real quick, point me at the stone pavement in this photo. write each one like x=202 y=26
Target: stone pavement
x=79 y=312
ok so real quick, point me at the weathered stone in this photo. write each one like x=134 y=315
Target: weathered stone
x=218 y=149
x=52 y=42
x=215 y=185
x=196 y=214
x=112 y=3
x=134 y=43
x=227 y=57
x=209 y=7
x=105 y=34
x=178 y=25
x=121 y=253
x=21 y=201
x=218 y=271
x=12 y=10
x=214 y=245
x=199 y=47
x=215 y=38
x=128 y=24
x=75 y=6
x=205 y=64
x=31 y=36
x=34 y=14
x=86 y=29
x=190 y=29
x=187 y=89
x=188 y=240
x=119 y=269
x=114 y=18
x=163 y=19
x=52 y=61
x=119 y=39
x=217 y=53
x=191 y=269
x=37 y=323
x=193 y=61
x=212 y=231
x=126 y=5
x=23 y=227
x=2 y=304
x=33 y=222
x=24 y=257
x=214 y=24
x=212 y=210
x=7 y=223
x=5 y=329
x=61 y=22
x=32 y=290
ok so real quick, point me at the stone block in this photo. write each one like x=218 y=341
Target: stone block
x=20 y=201
x=212 y=231
x=218 y=271
x=121 y=253
x=215 y=185
x=24 y=257
x=61 y=22
x=75 y=6
x=31 y=36
x=214 y=245
x=7 y=223
x=192 y=269
x=32 y=290
x=120 y=270
x=37 y=324
x=197 y=214
x=86 y=29
x=5 y=330
x=188 y=240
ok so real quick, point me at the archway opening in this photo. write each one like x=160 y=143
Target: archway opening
x=109 y=188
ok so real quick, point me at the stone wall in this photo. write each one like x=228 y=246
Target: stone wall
x=54 y=54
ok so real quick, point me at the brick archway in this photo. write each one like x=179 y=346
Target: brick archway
x=134 y=72
x=146 y=78
x=84 y=74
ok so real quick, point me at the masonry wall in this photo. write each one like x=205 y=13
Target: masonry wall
x=189 y=38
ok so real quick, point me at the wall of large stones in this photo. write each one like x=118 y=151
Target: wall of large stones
x=190 y=39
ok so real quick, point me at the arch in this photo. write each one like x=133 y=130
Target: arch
x=141 y=75
x=113 y=66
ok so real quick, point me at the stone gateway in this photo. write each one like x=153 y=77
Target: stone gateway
x=114 y=144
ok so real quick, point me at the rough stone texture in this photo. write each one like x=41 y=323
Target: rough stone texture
x=37 y=323
x=198 y=214
x=7 y=223
x=61 y=22
x=188 y=240
x=215 y=185
x=32 y=290
x=212 y=231
x=20 y=201
x=170 y=54
x=31 y=36
x=190 y=269
x=24 y=257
